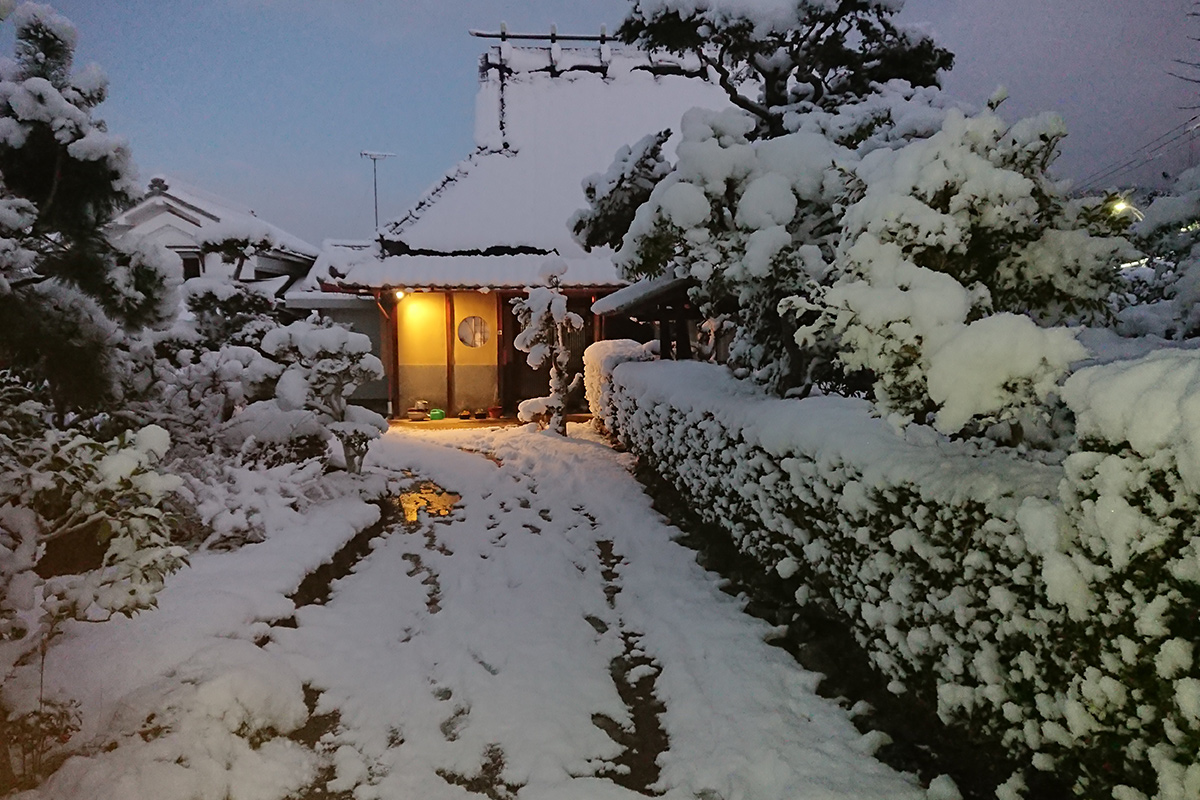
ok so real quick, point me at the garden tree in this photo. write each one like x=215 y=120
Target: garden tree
x=803 y=71
x=67 y=293
x=793 y=56
x=237 y=242
x=200 y=372
x=1169 y=232
x=755 y=221
x=614 y=196
x=323 y=364
x=958 y=265
x=229 y=313
x=82 y=536
x=545 y=324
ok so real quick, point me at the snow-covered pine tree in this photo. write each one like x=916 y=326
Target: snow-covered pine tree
x=237 y=242
x=323 y=364
x=831 y=78
x=793 y=57
x=545 y=324
x=66 y=290
x=614 y=196
x=82 y=526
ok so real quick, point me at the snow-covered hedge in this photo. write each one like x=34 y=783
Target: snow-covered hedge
x=1053 y=609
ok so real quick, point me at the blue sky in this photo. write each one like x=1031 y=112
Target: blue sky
x=269 y=102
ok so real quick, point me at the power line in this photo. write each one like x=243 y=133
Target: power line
x=1115 y=164
x=1156 y=150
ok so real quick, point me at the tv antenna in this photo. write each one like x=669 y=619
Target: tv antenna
x=375 y=159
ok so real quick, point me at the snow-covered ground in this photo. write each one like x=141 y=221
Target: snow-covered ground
x=517 y=647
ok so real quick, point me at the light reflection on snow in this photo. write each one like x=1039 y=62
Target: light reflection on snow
x=436 y=501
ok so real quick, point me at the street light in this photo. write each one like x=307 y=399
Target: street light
x=375 y=159
x=1122 y=205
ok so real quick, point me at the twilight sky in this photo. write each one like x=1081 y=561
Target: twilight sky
x=269 y=102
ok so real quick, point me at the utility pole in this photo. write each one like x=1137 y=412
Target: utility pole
x=375 y=159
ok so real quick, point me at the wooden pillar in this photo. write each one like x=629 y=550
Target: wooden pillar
x=683 y=341
x=390 y=350
x=451 y=335
x=664 y=334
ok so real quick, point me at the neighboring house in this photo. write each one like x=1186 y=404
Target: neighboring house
x=177 y=216
x=434 y=290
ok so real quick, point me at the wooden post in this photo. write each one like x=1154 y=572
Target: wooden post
x=683 y=341
x=451 y=334
x=389 y=350
x=664 y=334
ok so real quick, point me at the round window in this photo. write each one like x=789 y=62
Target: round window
x=473 y=331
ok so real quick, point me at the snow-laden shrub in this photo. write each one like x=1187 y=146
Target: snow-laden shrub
x=215 y=728
x=754 y=221
x=199 y=390
x=228 y=313
x=952 y=248
x=1169 y=233
x=323 y=365
x=545 y=325
x=1051 y=612
x=63 y=486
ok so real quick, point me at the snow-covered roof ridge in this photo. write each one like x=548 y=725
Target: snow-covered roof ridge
x=546 y=118
x=365 y=271
x=431 y=195
x=222 y=210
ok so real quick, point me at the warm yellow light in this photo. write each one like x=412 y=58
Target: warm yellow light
x=399 y=295
x=1120 y=206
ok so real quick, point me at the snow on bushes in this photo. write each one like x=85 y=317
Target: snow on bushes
x=599 y=360
x=61 y=489
x=1168 y=232
x=216 y=728
x=754 y=222
x=323 y=365
x=951 y=248
x=1050 y=611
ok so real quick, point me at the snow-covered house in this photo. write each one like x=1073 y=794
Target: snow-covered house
x=438 y=281
x=181 y=217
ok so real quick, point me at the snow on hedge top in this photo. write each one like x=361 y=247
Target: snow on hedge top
x=1153 y=403
x=552 y=121
x=838 y=430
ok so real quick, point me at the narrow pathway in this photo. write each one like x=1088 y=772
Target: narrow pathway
x=542 y=636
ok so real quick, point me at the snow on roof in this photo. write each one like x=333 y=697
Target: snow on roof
x=546 y=118
x=355 y=271
x=213 y=209
x=643 y=291
x=336 y=259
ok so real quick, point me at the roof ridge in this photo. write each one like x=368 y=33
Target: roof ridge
x=452 y=176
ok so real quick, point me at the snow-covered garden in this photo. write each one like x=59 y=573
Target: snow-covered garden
x=959 y=416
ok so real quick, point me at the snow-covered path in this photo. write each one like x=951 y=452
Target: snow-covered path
x=546 y=640
x=489 y=649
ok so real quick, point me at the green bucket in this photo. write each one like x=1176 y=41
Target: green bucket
x=437 y=413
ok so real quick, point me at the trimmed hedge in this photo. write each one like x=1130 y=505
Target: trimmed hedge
x=1052 y=607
